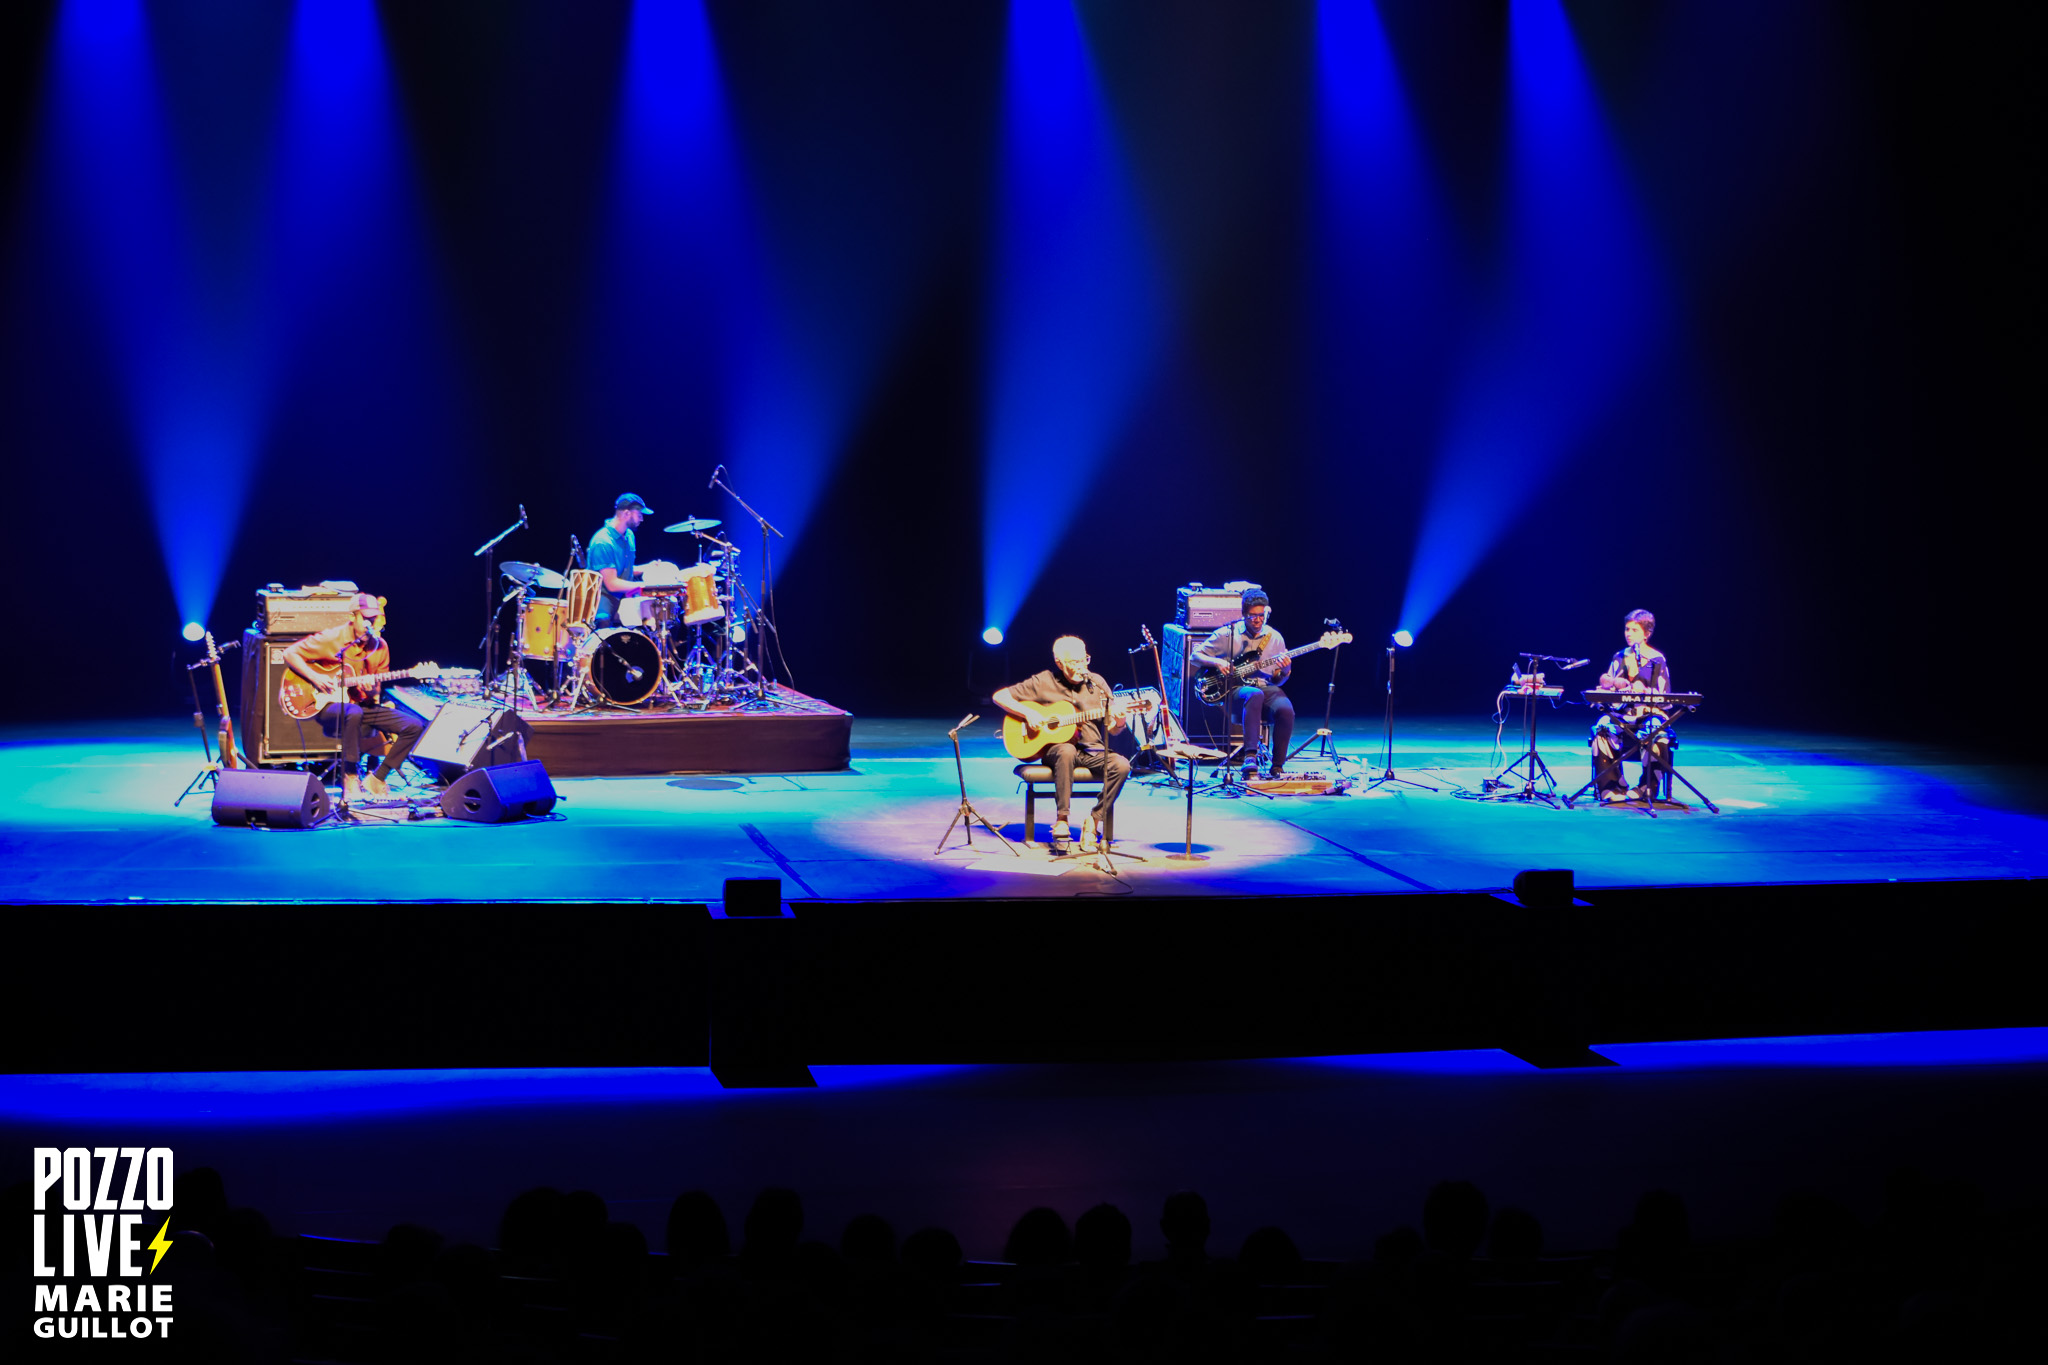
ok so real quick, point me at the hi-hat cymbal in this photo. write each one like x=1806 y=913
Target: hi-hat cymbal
x=532 y=575
x=694 y=524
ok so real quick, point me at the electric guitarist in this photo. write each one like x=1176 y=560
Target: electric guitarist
x=1259 y=697
x=357 y=646
x=1033 y=702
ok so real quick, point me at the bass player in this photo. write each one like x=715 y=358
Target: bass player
x=1069 y=680
x=359 y=645
x=1259 y=696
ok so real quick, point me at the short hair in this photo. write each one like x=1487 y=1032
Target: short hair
x=1079 y=646
x=1649 y=621
x=1252 y=597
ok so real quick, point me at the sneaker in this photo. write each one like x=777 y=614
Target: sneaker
x=374 y=785
x=1062 y=837
x=1088 y=834
x=1614 y=796
x=351 y=789
x=1647 y=794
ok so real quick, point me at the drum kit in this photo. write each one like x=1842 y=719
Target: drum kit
x=639 y=662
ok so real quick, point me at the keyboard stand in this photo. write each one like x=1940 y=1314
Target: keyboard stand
x=1635 y=751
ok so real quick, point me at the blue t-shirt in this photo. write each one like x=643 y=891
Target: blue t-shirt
x=610 y=548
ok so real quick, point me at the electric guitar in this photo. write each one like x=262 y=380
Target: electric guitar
x=300 y=700
x=1214 y=687
x=1024 y=742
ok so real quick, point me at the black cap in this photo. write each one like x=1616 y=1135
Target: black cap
x=627 y=500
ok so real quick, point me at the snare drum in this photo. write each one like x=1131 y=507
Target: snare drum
x=544 y=629
x=624 y=665
x=660 y=576
x=700 y=601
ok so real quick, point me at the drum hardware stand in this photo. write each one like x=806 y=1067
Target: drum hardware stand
x=1387 y=774
x=565 y=648
x=761 y=638
x=1325 y=738
x=489 y=644
x=209 y=776
x=966 y=816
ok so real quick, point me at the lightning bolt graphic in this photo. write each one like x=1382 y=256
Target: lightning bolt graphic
x=159 y=1244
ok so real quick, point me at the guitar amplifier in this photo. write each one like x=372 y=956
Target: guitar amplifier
x=1203 y=608
x=301 y=611
x=268 y=735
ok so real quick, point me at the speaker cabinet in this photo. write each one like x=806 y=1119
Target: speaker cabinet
x=492 y=796
x=1205 y=724
x=268 y=734
x=250 y=796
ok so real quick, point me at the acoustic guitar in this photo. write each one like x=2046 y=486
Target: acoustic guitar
x=300 y=700
x=1214 y=687
x=1024 y=742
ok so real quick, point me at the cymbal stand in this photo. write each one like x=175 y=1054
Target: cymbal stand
x=489 y=644
x=1387 y=774
x=764 y=664
x=966 y=816
x=1325 y=738
x=564 y=642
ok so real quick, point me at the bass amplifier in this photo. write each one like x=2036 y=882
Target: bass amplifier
x=1203 y=608
x=1205 y=723
x=268 y=734
x=301 y=611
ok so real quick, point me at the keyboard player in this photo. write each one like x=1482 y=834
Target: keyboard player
x=1637 y=667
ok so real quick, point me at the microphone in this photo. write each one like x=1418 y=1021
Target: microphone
x=575 y=549
x=714 y=477
x=1575 y=663
x=633 y=674
x=522 y=514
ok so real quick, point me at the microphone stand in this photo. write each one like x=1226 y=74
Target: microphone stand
x=1388 y=775
x=1185 y=748
x=966 y=816
x=766 y=599
x=489 y=644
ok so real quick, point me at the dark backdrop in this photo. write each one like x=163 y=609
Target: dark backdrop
x=1836 y=521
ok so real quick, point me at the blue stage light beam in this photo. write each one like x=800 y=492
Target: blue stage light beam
x=1078 y=307
x=171 y=239
x=1384 y=269
x=747 y=309
x=1581 y=302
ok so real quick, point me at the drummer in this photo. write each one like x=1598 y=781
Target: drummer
x=611 y=556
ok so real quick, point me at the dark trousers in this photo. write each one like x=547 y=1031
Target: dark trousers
x=1612 y=736
x=1113 y=768
x=1256 y=701
x=346 y=723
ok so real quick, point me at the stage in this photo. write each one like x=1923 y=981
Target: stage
x=87 y=817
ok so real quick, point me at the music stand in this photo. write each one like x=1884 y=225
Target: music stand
x=1324 y=738
x=966 y=815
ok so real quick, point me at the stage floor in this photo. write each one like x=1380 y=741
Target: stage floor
x=86 y=816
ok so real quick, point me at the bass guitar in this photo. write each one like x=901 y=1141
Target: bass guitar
x=300 y=700
x=1024 y=742
x=1214 y=687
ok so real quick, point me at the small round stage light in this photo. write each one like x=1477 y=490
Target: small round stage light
x=193 y=630
x=1403 y=638
x=992 y=635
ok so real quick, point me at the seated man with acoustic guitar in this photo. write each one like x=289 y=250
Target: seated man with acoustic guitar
x=1069 y=698
x=1258 y=693
x=337 y=677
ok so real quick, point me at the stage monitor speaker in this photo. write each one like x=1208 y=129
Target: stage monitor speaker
x=465 y=735
x=268 y=734
x=492 y=796
x=250 y=796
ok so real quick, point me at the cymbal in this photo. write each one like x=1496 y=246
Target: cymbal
x=694 y=524
x=532 y=575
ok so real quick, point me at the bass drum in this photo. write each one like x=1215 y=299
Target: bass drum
x=625 y=666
